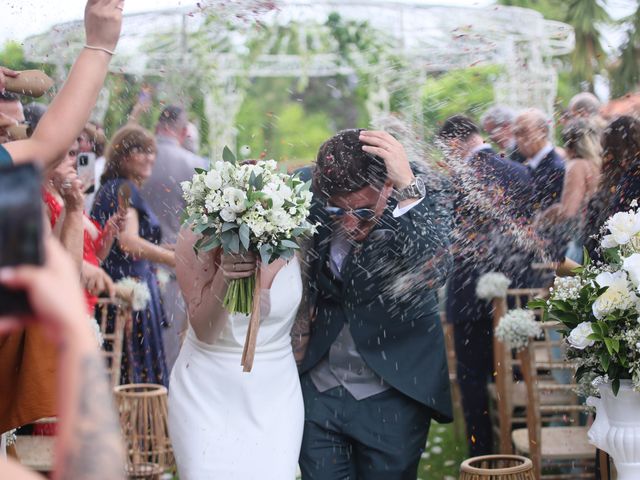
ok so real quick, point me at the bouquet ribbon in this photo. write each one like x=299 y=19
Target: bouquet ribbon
x=249 y=350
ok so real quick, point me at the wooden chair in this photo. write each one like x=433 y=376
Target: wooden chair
x=506 y=395
x=114 y=338
x=561 y=446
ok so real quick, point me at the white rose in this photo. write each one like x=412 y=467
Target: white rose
x=235 y=199
x=213 y=180
x=623 y=226
x=617 y=296
x=578 y=336
x=227 y=214
x=632 y=266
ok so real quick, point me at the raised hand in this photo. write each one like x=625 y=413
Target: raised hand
x=103 y=22
x=383 y=145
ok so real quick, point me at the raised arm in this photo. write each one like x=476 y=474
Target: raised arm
x=70 y=109
x=88 y=444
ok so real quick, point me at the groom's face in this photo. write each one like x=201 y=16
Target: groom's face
x=369 y=198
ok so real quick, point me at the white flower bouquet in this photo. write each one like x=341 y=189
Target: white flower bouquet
x=492 y=285
x=599 y=307
x=517 y=327
x=247 y=208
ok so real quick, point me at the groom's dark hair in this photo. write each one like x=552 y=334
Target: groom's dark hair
x=343 y=167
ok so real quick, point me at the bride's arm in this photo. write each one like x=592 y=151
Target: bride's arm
x=204 y=284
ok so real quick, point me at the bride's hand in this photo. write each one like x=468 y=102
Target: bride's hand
x=235 y=266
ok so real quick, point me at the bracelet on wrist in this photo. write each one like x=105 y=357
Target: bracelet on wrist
x=101 y=49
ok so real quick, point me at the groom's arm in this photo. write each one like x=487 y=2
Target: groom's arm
x=422 y=240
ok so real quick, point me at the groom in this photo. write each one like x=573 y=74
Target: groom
x=375 y=371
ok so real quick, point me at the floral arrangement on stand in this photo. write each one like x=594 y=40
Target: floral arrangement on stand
x=599 y=308
x=248 y=207
x=517 y=327
x=492 y=285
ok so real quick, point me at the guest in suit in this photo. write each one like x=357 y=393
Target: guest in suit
x=491 y=192
x=375 y=372
x=497 y=122
x=532 y=131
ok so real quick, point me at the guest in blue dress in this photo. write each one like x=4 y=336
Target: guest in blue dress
x=130 y=159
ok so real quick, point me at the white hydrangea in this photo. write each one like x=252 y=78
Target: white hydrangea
x=492 y=285
x=139 y=291
x=618 y=295
x=517 y=327
x=566 y=288
x=631 y=265
x=578 y=336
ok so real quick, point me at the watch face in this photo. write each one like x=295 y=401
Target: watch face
x=422 y=189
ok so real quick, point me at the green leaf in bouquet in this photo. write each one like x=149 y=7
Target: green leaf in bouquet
x=287 y=254
x=252 y=180
x=533 y=304
x=228 y=156
x=615 y=344
x=296 y=232
x=289 y=244
x=226 y=226
x=200 y=228
x=597 y=329
x=259 y=182
x=612 y=255
x=200 y=170
x=586 y=257
x=615 y=386
x=234 y=243
x=608 y=342
x=569 y=319
x=605 y=361
x=244 y=234
x=209 y=243
x=595 y=337
x=265 y=253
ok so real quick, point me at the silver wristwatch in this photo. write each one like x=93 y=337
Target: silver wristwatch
x=415 y=189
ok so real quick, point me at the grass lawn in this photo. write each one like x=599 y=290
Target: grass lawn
x=444 y=453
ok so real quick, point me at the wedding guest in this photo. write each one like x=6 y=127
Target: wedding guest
x=374 y=374
x=11 y=106
x=162 y=192
x=192 y=140
x=130 y=158
x=620 y=179
x=582 y=176
x=71 y=107
x=478 y=171
x=498 y=122
x=33 y=112
x=87 y=421
x=532 y=132
x=82 y=236
x=584 y=105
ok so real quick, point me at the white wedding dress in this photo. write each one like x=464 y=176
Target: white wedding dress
x=226 y=424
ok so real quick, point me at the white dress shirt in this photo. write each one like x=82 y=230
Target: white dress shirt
x=534 y=161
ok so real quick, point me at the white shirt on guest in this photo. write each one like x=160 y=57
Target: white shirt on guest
x=534 y=161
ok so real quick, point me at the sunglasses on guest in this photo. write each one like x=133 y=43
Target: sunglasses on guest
x=364 y=214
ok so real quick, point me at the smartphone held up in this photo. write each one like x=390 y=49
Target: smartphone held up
x=21 y=228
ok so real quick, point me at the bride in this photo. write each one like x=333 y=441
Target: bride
x=226 y=424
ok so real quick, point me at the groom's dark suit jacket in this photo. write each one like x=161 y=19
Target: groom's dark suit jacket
x=387 y=296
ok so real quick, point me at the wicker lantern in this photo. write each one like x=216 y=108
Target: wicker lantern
x=143 y=421
x=497 y=467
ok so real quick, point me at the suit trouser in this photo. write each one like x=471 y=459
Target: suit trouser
x=473 y=341
x=376 y=438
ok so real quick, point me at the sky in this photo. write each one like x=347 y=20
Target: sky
x=21 y=18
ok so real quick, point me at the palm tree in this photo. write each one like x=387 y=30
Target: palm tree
x=626 y=72
x=588 y=57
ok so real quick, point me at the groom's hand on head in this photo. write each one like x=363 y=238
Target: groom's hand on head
x=383 y=145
